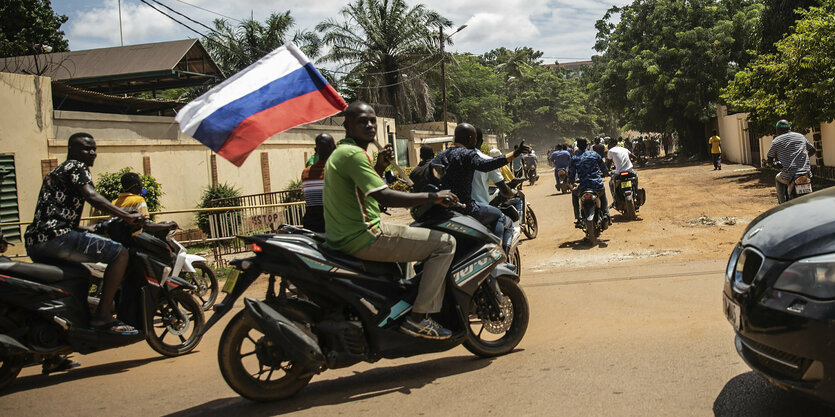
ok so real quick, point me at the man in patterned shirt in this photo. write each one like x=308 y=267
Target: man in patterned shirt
x=55 y=235
x=313 y=177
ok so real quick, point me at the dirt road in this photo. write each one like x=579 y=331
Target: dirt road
x=630 y=327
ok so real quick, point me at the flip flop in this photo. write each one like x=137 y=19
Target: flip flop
x=113 y=328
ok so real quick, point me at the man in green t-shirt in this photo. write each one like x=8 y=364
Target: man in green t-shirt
x=352 y=194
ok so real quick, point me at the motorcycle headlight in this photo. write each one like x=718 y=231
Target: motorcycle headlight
x=813 y=277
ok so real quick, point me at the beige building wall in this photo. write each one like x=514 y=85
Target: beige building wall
x=25 y=125
x=32 y=131
x=828 y=143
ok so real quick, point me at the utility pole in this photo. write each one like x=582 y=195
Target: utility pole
x=443 y=79
x=443 y=72
x=121 y=38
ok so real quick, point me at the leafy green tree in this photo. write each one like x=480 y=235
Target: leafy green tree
x=475 y=94
x=510 y=62
x=797 y=82
x=386 y=48
x=666 y=60
x=30 y=27
x=214 y=192
x=777 y=19
x=237 y=47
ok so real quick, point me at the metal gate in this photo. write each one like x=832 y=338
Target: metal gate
x=251 y=214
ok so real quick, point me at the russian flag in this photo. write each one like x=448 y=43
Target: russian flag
x=280 y=91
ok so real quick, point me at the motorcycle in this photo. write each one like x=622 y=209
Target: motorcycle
x=799 y=185
x=592 y=220
x=44 y=311
x=351 y=310
x=628 y=197
x=564 y=185
x=192 y=268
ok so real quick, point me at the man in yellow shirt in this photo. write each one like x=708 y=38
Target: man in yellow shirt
x=131 y=200
x=716 y=150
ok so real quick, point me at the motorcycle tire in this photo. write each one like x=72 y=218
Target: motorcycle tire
x=591 y=232
x=206 y=282
x=232 y=355
x=515 y=258
x=518 y=308
x=531 y=227
x=9 y=366
x=185 y=336
x=630 y=210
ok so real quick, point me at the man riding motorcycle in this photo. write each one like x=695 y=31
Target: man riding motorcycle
x=793 y=151
x=561 y=159
x=461 y=161
x=622 y=159
x=353 y=192
x=588 y=168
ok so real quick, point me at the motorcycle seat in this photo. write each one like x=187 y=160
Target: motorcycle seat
x=369 y=267
x=44 y=273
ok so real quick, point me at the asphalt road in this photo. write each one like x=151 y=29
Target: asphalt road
x=608 y=336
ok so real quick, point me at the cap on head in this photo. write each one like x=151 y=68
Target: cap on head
x=783 y=124
x=495 y=153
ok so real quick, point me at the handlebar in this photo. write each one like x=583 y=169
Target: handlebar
x=447 y=202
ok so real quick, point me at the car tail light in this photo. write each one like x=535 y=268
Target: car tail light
x=256 y=248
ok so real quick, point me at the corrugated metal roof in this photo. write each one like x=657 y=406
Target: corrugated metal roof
x=120 y=60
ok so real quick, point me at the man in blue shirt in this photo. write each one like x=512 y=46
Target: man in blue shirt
x=589 y=169
x=461 y=162
x=560 y=158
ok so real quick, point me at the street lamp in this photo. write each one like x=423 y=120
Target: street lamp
x=443 y=72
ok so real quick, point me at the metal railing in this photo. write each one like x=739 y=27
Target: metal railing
x=823 y=171
x=251 y=214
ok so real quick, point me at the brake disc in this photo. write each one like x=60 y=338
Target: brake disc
x=503 y=325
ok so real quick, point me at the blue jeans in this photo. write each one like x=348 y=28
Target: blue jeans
x=493 y=218
x=75 y=247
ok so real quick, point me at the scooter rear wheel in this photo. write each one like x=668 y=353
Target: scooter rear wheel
x=630 y=210
x=243 y=351
x=591 y=232
x=514 y=326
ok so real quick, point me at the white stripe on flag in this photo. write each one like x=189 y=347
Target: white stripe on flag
x=271 y=67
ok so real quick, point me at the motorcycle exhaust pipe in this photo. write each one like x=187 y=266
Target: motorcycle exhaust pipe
x=10 y=346
x=297 y=345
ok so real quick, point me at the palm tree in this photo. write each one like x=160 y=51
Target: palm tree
x=235 y=48
x=385 y=48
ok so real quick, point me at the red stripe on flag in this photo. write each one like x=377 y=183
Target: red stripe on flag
x=259 y=127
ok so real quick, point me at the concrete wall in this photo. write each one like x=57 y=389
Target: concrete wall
x=25 y=126
x=33 y=132
x=733 y=129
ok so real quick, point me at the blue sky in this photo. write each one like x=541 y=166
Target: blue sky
x=562 y=29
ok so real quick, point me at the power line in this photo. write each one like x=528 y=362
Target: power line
x=168 y=16
x=190 y=19
x=207 y=10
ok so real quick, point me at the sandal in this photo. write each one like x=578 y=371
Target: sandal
x=58 y=364
x=115 y=327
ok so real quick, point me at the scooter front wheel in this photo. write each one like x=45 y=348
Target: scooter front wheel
x=531 y=227
x=253 y=365
x=491 y=336
x=205 y=280
x=167 y=333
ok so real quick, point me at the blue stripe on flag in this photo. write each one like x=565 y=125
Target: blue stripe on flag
x=215 y=128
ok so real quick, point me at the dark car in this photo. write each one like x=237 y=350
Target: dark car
x=780 y=295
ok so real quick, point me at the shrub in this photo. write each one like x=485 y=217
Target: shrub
x=109 y=187
x=214 y=192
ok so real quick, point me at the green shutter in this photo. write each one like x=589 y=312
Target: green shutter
x=8 y=197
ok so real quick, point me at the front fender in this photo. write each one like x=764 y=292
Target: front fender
x=501 y=269
x=190 y=259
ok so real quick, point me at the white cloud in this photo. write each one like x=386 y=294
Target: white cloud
x=559 y=28
x=99 y=27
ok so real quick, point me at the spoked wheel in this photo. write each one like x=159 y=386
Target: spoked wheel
x=9 y=365
x=254 y=366
x=531 y=228
x=167 y=333
x=591 y=232
x=206 y=282
x=492 y=334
